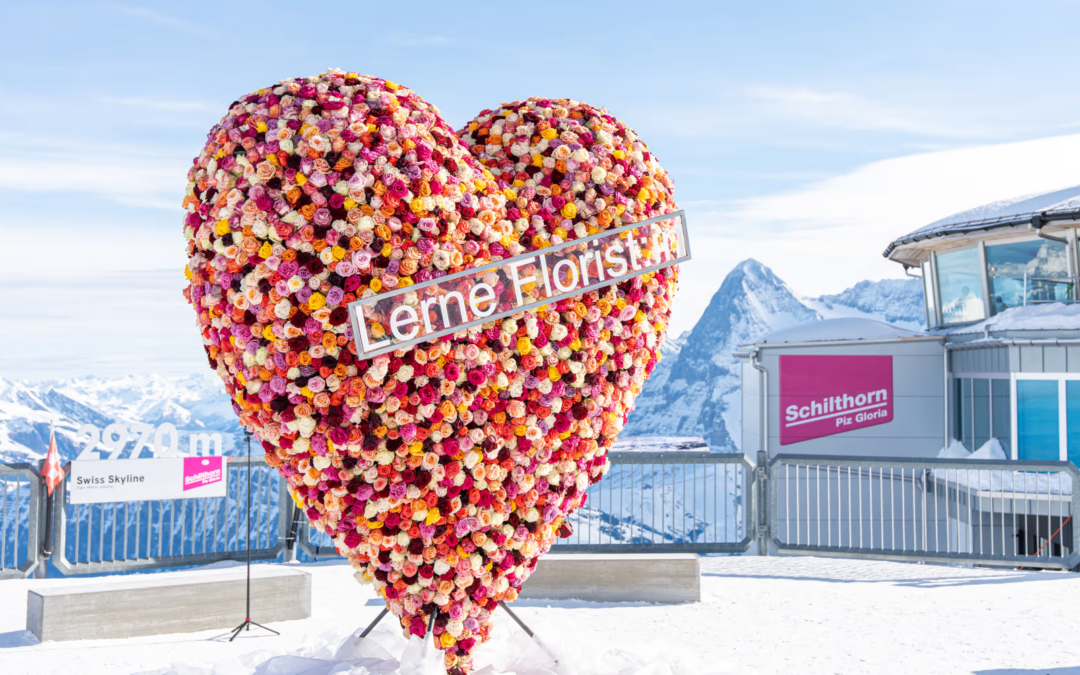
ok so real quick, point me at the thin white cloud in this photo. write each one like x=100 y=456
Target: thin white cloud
x=829 y=235
x=132 y=175
x=190 y=27
x=851 y=111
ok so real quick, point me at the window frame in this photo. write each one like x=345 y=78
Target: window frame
x=980 y=249
x=933 y=319
x=1070 y=257
x=1063 y=423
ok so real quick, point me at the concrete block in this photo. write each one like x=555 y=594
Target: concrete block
x=185 y=602
x=616 y=577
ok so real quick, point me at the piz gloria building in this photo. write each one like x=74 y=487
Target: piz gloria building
x=997 y=369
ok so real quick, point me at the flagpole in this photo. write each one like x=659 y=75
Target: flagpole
x=46 y=552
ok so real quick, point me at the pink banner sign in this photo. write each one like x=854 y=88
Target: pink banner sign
x=826 y=395
x=201 y=471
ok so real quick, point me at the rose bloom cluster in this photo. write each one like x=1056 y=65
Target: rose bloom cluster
x=444 y=470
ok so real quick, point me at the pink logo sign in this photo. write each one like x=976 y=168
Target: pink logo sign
x=826 y=395
x=200 y=471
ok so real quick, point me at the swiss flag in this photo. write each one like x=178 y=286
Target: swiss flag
x=53 y=472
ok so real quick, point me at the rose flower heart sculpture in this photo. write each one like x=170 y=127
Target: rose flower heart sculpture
x=442 y=470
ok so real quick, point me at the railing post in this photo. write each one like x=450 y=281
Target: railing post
x=293 y=515
x=1074 y=476
x=762 y=476
x=45 y=540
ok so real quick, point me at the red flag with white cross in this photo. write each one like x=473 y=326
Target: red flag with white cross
x=52 y=471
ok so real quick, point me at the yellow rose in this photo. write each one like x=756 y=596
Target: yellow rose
x=569 y=210
x=524 y=345
x=316 y=301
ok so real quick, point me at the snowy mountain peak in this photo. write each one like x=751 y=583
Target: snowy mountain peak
x=897 y=301
x=193 y=404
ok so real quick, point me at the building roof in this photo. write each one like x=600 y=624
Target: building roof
x=831 y=330
x=1056 y=205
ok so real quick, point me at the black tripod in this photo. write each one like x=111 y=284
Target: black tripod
x=248 y=623
x=431 y=627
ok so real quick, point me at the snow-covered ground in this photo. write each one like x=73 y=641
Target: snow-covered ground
x=757 y=615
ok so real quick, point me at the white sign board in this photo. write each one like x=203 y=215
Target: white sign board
x=129 y=480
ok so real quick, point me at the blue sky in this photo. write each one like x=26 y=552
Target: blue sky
x=806 y=135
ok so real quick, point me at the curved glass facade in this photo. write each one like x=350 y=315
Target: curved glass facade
x=971 y=284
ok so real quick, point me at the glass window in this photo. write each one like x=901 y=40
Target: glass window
x=978 y=415
x=1027 y=272
x=1072 y=418
x=980 y=412
x=1037 y=420
x=960 y=285
x=966 y=414
x=1001 y=414
x=928 y=294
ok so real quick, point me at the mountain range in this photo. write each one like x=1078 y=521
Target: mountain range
x=694 y=391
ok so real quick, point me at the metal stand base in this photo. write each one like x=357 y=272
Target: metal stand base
x=248 y=623
x=384 y=612
x=431 y=627
x=528 y=632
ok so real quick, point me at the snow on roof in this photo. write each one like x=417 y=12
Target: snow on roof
x=997 y=214
x=660 y=444
x=1051 y=316
x=839 y=329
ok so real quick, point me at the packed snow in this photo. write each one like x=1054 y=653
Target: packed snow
x=757 y=615
x=838 y=329
x=1050 y=316
x=1006 y=209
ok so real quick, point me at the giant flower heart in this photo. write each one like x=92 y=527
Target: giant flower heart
x=443 y=470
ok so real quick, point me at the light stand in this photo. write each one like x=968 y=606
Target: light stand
x=248 y=623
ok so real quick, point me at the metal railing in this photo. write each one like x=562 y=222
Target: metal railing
x=1007 y=513
x=128 y=536
x=658 y=502
x=1040 y=290
x=665 y=502
x=20 y=520
x=933 y=510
